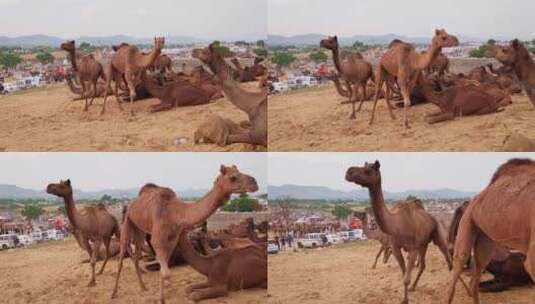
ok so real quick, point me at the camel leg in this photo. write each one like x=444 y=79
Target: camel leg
x=239 y=138
x=483 y=252
x=406 y=93
x=363 y=97
x=440 y=118
x=378 y=255
x=139 y=238
x=396 y=251
x=379 y=79
x=94 y=92
x=192 y=287
x=106 y=254
x=407 y=275
x=84 y=94
x=132 y=91
x=126 y=230
x=352 y=91
x=164 y=242
x=111 y=73
x=387 y=254
x=387 y=100
x=93 y=261
x=421 y=267
x=209 y=293
x=529 y=264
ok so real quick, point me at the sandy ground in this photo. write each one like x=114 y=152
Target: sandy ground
x=52 y=273
x=315 y=120
x=343 y=274
x=47 y=120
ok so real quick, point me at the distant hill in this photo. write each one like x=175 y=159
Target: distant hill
x=314 y=39
x=325 y=193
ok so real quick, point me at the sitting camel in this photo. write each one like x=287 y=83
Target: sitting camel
x=258 y=69
x=244 y=74
x=216 y=129
x=409 y=226
x=502 y=214
x=377 y=235
x=254 y=104
x=517 y=56
x=159 y=212
x=403 y=63
x=79 y=91
x=87 y=69
x=128 y=64
x=94 y=224
x=370 y=90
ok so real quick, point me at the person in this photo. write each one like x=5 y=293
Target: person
x=283 y=240
x=278 y=242
x=290 y=239
x=324 y=239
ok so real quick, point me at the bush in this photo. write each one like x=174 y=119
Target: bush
x=44 y=57
x=32 y=212
x=318 y=56
x=9 y=59
x=242 y=204
x=341 y=211
x=260 y=52
x=283 y=58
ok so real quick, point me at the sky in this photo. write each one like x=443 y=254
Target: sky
x=97 y=171
x=211 y=19
x=474 y=18
x=399 y=171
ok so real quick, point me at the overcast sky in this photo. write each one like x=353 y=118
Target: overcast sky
x=96 y=171
x=479 y=18
x=399 y=171
x=212 y=19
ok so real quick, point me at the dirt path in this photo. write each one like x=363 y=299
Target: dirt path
x=47 y=120
x=52 y=273
x=343 y=274
x=314 y=120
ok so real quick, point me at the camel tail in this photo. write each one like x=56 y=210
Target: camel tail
x=440 y=240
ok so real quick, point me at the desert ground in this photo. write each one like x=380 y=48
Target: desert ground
x=46 y=119
x=52 y=273
x=315 y=120
x=343 y=274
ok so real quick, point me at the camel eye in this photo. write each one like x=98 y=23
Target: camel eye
x=233 y=178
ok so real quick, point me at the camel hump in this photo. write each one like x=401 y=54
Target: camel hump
x=395 y=42
x=509 y=166
x=147 y=186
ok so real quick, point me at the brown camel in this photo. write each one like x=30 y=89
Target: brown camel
x=502 y=214
x=94 y=224
x=516 y=142
x=87 y=69
x=252 y=103
x=160 y=213
x=377 y=235
x=79 y=91
x=439 y=65
x=258 y=69
x=517 y=56
x=355 y=71
x=409 y=226
x=245 y=74
x=175 y=94
x=216 y=129
x=128 y=64
x=162 y=64
x=490 y=87
x=403 y=62
x=370 y=89
x=226 y=269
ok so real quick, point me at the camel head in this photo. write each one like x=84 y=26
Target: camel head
x=366 y=176
x=159 y=42
x=443 y=39
x=61 y=189
x=68 y=46
x=204 y=55
x=118 y=46
x=509 y=54
x=233 y=181
x=330 y=43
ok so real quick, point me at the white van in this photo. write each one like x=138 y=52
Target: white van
x=7 y=241
x=25 y=239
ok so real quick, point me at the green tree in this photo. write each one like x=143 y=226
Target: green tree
x=261 y=52
x=341 y=211
x=358 y=45
x=62 y=210
x=261 y=44
x=44 y=57
x=283 y=58
x=9 y=59
x=411 y=198
x=223 y=50
x=242 y=204
x=241 y=43
x=491 y=42
x=106 y=198
x=318 y=56
x=32 y=212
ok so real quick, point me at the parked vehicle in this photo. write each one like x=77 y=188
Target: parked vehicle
x=54 y=234
x=311 y=240
x=279 y=87
x=37 y=236
x=25 y=239
x=7 y=241
x=272 y=247
x=333 y=239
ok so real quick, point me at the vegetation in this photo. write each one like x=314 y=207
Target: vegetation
x=318 y=56
x=261 y=44
x=223 y=50
x=9 y=59
x=261 y=52
x=481 y=52
x=44 y=57
x=243 y=204
x=283 y=58
x=341 y=211
x=32 y=212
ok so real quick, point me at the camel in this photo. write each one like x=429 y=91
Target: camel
x=258 y=69
x=518 y=143
x=128 y=64
x=216 y=129
x=370 y=89
x=409 y=226
x=87 y=69
x=377 y=235
x=506 y=266
x=93 y=224
x=459 y=101
x=254 y=104
x=159 y=212
x=79 y=91
x=244 y=74
x=502 y=214
x=403 y=62
x=226 y=269
x=355 y=71
x=161 y=64
x=439 y=65
x=517 y=56
x=503 y=95
x=175 y=94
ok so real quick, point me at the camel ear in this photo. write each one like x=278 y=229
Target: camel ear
x=223 y=169
x=515 y=43
x=68 y=182
x=376 y=165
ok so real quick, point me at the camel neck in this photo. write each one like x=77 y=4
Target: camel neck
x=144 y=61
x=430 y=94
x=200 y=263
x=72 y=55
x=235 y=94
x=72 y=213
x=522 y=68
x=72 y=87
x=365 y=227
x=154 y=90
x=336 y=60
x=382 y=215
x=428 y=57
x=339 y=87
x=199 y=212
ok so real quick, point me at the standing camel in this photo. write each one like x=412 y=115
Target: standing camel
x=127 y=64
x=377 y=235
x=355 y=71
x=158 y=212
x=409 y=226
x=503 y=214
x=252 y=103
x=87 y=69
x=403 y=62
x=93 y=224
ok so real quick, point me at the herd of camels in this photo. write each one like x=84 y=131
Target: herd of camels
x=162 y=225
x=496 y=230
x=424 y=76
x=141 y=75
